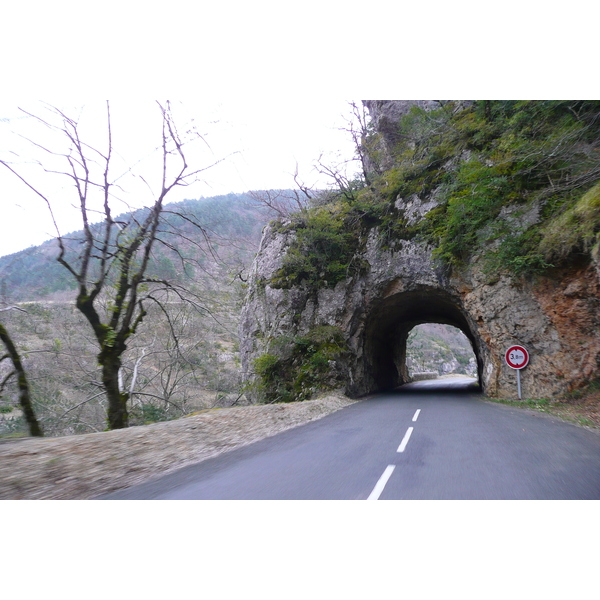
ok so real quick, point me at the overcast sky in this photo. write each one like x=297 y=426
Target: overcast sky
x=258 y=141
x=278 y=80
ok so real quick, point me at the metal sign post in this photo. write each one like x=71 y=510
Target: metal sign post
x=517 y=358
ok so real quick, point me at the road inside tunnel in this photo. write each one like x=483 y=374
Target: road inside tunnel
x=442 y=385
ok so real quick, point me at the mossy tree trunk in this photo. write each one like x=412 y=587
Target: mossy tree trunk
x=117 y=414
x=24 y=393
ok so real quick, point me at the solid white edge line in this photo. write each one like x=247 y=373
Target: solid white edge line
x=417 y=414
x=381 y=483
x=407 y=435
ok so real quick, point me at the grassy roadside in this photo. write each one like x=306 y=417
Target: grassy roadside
x=581 y=407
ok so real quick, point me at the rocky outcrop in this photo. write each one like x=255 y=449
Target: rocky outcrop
x=555 y=316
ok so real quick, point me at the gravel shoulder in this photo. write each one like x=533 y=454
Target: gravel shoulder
x=84 y=466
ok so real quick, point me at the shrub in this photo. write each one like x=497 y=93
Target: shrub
x=149 y=413
x=303 y=366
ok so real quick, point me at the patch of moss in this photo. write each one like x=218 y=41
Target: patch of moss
x=518 y=254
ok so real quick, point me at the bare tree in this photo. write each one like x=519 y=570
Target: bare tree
x=112 y=259
x=280 y=203
x=343 y=184
x=358 y=128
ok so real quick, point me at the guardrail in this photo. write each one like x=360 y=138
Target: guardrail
x=422 y=376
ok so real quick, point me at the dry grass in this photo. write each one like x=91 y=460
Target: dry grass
x=581 y=406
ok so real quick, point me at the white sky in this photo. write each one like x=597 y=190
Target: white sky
x=276 y=80
x=259 y=140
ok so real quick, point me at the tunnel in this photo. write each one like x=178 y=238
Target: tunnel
x=390 y=321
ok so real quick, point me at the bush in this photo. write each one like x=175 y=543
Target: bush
x=304 y=366
x=149 y=413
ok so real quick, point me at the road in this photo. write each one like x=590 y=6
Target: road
x=427 y=440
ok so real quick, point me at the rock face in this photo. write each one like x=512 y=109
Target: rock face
x=556 y=317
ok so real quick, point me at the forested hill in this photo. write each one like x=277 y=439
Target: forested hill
x=225 y=246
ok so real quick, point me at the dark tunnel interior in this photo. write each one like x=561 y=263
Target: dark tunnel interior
x=391 y=321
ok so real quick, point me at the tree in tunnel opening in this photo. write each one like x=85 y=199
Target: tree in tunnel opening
x=441 y=349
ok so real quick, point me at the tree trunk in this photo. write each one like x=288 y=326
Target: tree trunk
x=118 y=417
x=24 y=395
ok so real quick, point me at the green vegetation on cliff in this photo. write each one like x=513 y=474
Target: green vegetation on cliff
x=515 y=157
x=514 y=181
x=322 y=249
x=297 y=368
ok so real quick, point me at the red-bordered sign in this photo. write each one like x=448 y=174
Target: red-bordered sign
x=516 y=357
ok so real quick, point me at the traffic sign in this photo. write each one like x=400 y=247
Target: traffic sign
x=516 y=357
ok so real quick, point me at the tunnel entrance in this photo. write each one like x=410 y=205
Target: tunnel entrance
x=391 y=321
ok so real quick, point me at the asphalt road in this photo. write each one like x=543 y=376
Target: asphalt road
x=421 y=442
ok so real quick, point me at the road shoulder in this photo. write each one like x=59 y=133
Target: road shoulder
x=85 y=466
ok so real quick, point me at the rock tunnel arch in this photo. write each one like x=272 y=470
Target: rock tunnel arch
x=390 y=321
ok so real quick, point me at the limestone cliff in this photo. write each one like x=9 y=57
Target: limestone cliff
x=397 y=277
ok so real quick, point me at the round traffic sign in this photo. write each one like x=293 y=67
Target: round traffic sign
x=516 y=357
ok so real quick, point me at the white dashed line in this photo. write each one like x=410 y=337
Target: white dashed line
x=381 y=483
x=378 y=489
x=407 y=435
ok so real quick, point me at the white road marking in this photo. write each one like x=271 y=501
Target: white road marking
x=416 y=415
x=407 y=435
x=381 y=483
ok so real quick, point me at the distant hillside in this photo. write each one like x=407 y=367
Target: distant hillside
x=168 y=376
x=233 y=224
